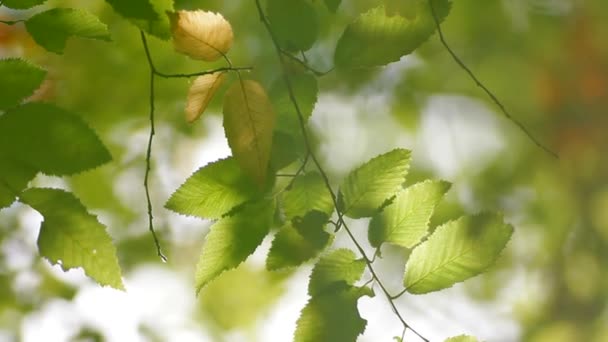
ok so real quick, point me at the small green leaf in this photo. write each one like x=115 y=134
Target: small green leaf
x=72 y=237
x=213 y=190
x=249 y=122
x=307 y=193
x=56 y=143
x=376 y=38
x=333 y=5
x=294 y=23
x=14 y=176
x=305 y=89
x=149 y=15
x=456 y=251
x=22 y=4
x=337 y=267
x=299 y=241
x=332 y=316
x=366 y=188
x=51 y=29
x=232 y=239
x=18 y=80
x=462 y=338
x=405 y=221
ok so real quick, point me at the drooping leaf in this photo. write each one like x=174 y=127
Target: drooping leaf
x=148 y=15
x=201 y=35
x=200 y=94
x=14 y=176
x=366 y=188
x=337 y=267
x=294 y=23
x=299 y=241
x=51 y=29
x=232 y=239
x=456 y=251
x=249 y=122
x=307 y=193
x=333 y=5
x=376 y=38
x=305 y=90
x=213 y=190
x=22 y=4
x=405 y=221
x=72 y=237
x=56 y=143
x=462 y=338
x=18 y=80
x=332 y=316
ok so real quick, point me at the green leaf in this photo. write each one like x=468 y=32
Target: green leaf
x=305 y=89
x=299 y=241
x=232 y=239
x=367 y=188
x=456 y=251
x=337 y=267
x=294 y=23
x=249 y=122
x=22 y=4
x=285 y=150
x=213 y=190
x=18 y=80
x=72 y=237
x=14 y=176
x=332 y=316
x=376 y=39
x=51 y=29
x=462 y=338
x=149 y=15
x=307 y=193
x=333 y=5
x=56 y=143
x=405 y=221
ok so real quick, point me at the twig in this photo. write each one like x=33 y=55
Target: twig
x=485 y=89
x=305 y=64
x=322 y=171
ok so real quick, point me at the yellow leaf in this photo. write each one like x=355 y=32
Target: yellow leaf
x=201 y=34
x=249 y=122
x=200 y=94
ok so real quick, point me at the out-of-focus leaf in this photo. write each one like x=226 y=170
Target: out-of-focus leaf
x=51 y=29
x=337 y=267
x=285 y=150
x=307 y=193
x=148 y=15
x=200 y=94
x=366 y=188
x=18 y=80
x=333 y=5
x=72 y=237
x=462 y=338
x=305 y=90
x=294 y=23
x=22 y=4
x=201 y=34
x=56 y=143
x=456 y=251
x=14 y=176
x=232 y=239
x=249 y=121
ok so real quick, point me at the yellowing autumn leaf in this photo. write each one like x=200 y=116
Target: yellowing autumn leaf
x=200 y=94
x=201 y=34
x=249 y=122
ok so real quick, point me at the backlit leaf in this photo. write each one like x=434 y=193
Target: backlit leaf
x=51 y=29
x=294 y=23
x=462 y=338
x=57 y=142
x=249 y=122
x=232 y=239
x=213 y=190
x=366 y=188
x=22 y=4
x=201 y=34
x=405 y=221
x=72 y=237
x=18 y=80
x=14 y=176
x=148 y=15
x=307 y=193
x=456 y=251
x=337 y=267
x=200 y=94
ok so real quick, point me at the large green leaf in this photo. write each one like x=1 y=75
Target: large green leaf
x=50 y=139
x=232 y=239
x=305 y=90
x=299 y=241
x=14 y=176
x=332 y=316
x=405 y=221
x=249 y=122
x=294 y=23
x=71 y=237
x=456 y=251
x=51 y=29
x=22 y=4
x=307 y=193
x=213 y=190
x=337 y=267
x=376 y=38
x=18 y=80
x=149 y=15
x=367 y=188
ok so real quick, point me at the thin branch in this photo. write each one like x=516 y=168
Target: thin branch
x=322 y=171
x=485 y=89
x=305 y=64
x=399 y=294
